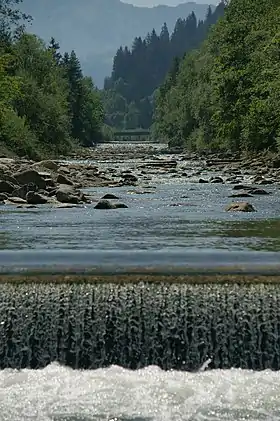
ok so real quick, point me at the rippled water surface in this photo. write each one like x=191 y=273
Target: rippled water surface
x=170 y=216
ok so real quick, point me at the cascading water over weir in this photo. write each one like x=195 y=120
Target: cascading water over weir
x=173 y=326
x=142 y=341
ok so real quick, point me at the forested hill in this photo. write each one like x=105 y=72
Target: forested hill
x=96 y=28
x=226 y=96
x=139 y=70
x=47 y=106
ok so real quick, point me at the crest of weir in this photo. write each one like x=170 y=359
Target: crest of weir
x=173 y=326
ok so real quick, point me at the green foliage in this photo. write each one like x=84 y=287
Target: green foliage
x=137 y=72
x=226 y=96
x=86 y=108
x=47 y=106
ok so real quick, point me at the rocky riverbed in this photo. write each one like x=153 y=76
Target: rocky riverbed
x=61 y=183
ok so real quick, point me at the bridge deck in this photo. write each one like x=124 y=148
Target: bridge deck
x=132 y=135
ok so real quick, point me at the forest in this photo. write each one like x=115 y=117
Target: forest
x=47 y=106
x=225 y=96
x=211 y=85
x=137 y=72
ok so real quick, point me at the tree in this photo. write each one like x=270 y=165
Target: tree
x=139 y=71
x=54 y=47
x=226 y=95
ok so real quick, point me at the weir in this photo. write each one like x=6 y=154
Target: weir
x=171 y=325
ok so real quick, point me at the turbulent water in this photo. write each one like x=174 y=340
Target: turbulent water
x=115 y=394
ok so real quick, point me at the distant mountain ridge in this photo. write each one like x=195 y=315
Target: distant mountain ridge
x=96 y=28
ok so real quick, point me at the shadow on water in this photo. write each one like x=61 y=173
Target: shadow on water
x=172 y=326
x=258 y=235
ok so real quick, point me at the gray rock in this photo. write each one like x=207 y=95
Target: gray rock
x=3 y=197
x=34 y=198
x=61 y=179
x=240 y=207
x=50 y=165
x=23 y=190
x=64 y=195
x=130 y=177
x=216 y=180
x=15 y=200
x=241 y=194
x=121 y=206
x=258 y=191
x=30 y=176
x=110 y=196
x=105 y=204
x=242 y=187
x=6 y=187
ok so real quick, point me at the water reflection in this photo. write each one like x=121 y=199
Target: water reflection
x=254 y=235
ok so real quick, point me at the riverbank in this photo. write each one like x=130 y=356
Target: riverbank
x=59 y=183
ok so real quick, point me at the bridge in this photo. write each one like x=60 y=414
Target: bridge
x=133 y=135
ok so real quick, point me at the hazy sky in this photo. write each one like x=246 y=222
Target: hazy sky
x=151 y=3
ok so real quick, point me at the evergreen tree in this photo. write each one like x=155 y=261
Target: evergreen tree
x=54 y=47
x=225 y=96
x=139 y=71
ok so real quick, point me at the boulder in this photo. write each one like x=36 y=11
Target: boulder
x=240 y=207
x=241 y=194
x=258 y=191
x=34 y=198
x=65 y=195
x=50 y=165
x=23 y=190
x=105 y=204
x=61 y=179
x=121 y=206
x=202 y=180
x=110 y=196
x=242 y=187
x=6 y=187
x=3 y=197
x=30 y=176
x=130 y=177
x=276 y=163
x=64 y=170
x=15 y=200
x=216 y=180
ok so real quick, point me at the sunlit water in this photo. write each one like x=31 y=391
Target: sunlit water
x=60 y=394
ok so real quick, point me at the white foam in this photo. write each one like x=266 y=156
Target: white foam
x=60 y=394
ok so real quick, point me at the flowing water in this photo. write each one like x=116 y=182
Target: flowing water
x=143 y=352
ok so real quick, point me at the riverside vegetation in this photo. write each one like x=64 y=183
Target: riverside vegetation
x=47 y=106
x=225 y=96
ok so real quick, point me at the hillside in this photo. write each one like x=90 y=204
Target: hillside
x=225 y=97
x=139 y=70
x=96 y=28
x=47 y=106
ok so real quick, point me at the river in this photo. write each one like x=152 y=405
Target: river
x=143 y=352
x=176 y=217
